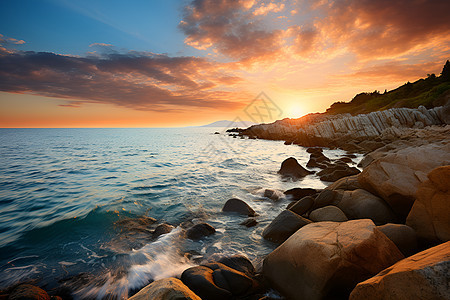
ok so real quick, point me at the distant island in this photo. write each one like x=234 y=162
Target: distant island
x=230 y=124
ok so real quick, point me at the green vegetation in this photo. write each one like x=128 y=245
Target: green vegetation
x=430 y=92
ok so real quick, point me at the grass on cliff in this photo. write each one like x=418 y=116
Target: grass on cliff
x=430 y=92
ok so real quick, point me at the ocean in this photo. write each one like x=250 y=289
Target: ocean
x=62 y=192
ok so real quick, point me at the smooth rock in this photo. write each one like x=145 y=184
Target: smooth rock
x=239 y=263
x=291 y=168
x=238 y=206
x=299 y=193
x=199 y=231
x=302 y=206
x=328 y=213
x=360 y=204
x=162 y=229
x=325 y=198
x=396 y=176
x=329 y=258
x=166 y=289
x=403 y=236
x=349 y=183
x=28 y=292
x=272 y=194
x=421 y=276
x=430 y=214
x=283 y=226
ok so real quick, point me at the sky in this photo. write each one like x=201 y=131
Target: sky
x=169 y=63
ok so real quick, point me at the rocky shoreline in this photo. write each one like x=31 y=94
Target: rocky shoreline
x=382 y=233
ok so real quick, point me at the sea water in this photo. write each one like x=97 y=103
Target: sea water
x=63 y=190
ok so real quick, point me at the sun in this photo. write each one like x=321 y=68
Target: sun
x=295 y=111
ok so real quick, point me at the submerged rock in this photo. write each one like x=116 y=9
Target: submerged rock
x=250 y=222
x=421 y=276
x=430 y=214
x=272 y=194
x=329 y=258
x=291 y=168
x=238 y=206
x=283 y=226
x=199 y=231
x=162 y=229
x=166 y=289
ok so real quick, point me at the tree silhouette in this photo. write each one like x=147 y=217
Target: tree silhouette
x=445 y=74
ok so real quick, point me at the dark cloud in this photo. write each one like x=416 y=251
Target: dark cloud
x=230 y=27
x=135 y=80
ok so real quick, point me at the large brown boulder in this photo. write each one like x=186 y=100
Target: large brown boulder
x=360 y=204
x=329 y=258
x=328 y=213
x=396 y=176
x=430 y=214
x=283 y=226
x=291 y=168
x=166 y=289
x=349 y=183
x=421 y=276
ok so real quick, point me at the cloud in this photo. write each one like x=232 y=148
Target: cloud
x=135 y=80
x=270 y=7
x=229 y=27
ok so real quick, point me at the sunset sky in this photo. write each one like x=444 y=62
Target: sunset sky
x=148 y=63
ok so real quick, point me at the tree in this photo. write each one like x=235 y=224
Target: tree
x=445 y=74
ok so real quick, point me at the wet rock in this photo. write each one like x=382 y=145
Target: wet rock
x=396 y=176
x=337 y=171
x=291 y=168
x=239 y=263
x=250 y=222
x=314 y=150
x=272 y=194
x=162 y=229
x=28 y=292
x=200 y=231
x=360 y=204
x=238 y=206
x=166 y=289
x=299 y=193
x=328 y=213
x=217 y=281
x=346 y=160
x=403 y=236
x=430 y=213
x=283 y=226
x=329 y=258
x=302 y=206
x=421 y=276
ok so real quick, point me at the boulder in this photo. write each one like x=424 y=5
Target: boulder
x=28 y=292
x=291 y=168
x=328 y=213
x=272 y=194
x=162 y=229
x=421 y=276
x=326 y=197
x=199 y=231
x=430 y=213
x=166 y=289
x=250 y=222
x=239 y=263
x=337 y=171
x=283 y=226
x=396 y=176
x=238 y=206
x=403 y=236
x=349 y=183
x=360 y=204
x=302 y=206
x=217 y=281
x=299 y=193
x=329 y=258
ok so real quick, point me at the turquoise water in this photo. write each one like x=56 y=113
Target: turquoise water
x=62 y=190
